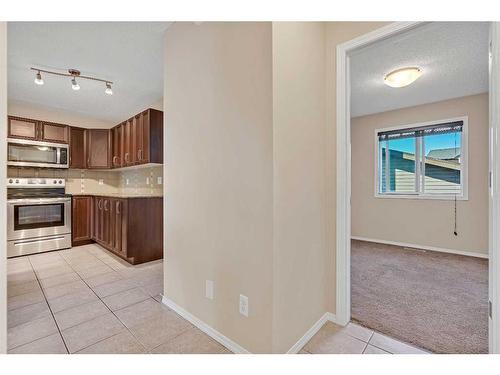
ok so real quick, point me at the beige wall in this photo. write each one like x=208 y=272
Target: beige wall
x=219 y=167
x=300 y=255
x=336 y=33
x=426 y=222
x=3 y=192
x=252 y=173
x=34 y=111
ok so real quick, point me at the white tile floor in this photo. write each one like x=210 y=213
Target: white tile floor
x=86 y=300
x=355 y=339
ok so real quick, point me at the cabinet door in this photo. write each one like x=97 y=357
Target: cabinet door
x=133 y=140
x=117 y=140
x=117 y=225
x=145 y=138
x=77 y=151
x=81 y=219
x=51 y=132
x=97 y=219
x=105 y=221
x=138 y=128
x=98 y=148
x=23 y=128
x=127 y=143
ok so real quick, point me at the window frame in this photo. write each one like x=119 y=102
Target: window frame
x=420 y=195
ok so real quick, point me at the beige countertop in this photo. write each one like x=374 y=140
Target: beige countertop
x=118 y=195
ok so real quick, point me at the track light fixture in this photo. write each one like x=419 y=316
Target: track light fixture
x=73 y=73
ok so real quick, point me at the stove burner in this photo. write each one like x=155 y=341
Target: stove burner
x=20 y=188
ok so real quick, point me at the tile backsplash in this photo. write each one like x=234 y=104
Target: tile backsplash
x=142 y=180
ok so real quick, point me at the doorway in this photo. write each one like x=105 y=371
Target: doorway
x=345 y=53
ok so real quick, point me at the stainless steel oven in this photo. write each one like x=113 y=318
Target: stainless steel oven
x=38 y=218
x=24 y=153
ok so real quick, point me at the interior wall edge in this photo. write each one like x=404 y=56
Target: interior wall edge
x=3 y=187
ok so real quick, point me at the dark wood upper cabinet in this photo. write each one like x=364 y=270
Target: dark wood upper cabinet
x=51 y=132
x=138 y=146
x=127 y=143
x=139 y=140
x=117 y=147
x=142 y=138
x=98 y=148
x=81 y=232
x=77 y=149
x=23 y=128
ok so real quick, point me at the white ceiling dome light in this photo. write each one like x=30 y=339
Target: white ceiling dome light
x=402 y=77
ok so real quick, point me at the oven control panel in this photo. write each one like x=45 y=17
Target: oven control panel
x=35 y=182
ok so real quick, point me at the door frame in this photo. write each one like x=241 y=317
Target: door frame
x=343 y=142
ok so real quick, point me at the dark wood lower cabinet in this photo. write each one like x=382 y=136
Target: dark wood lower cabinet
x=81 y=223
x=131 y=228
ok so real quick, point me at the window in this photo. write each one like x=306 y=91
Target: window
x=423 y=160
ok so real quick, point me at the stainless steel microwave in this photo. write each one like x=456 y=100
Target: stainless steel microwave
x=24 y=153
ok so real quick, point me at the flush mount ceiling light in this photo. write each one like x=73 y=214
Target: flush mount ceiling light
x=73 y=73
x=402 y=77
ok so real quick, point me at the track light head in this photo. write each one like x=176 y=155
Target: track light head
x=108 y=90
x=38 y=79
x=74 y=85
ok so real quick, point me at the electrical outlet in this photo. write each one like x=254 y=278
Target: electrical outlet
x=244 y=305
x=209 y=289
x=101 y=181
x=127 y=181
x=147 y=180
x=159 y=180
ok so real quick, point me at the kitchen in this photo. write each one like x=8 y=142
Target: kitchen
x=44 y=213
x=84 y=185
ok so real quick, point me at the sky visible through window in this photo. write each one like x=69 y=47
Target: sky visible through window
x=434 y=142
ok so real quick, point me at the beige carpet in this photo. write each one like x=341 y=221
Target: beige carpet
x=433 y=300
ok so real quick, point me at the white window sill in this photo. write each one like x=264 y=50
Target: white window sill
x=425 y=197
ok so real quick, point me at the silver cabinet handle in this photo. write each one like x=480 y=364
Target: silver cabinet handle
x=118 y=212
x=105 y=205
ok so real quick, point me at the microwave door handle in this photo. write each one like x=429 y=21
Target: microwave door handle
x=58 y=155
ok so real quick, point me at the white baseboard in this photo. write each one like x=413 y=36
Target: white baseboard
x=311 y=332
x=216 y=335
x=415 y=246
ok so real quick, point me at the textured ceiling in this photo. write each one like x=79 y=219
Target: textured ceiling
x=128 y=53
x=452 y=55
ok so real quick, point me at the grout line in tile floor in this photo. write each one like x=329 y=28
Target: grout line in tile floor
x=74 y=266
x=50 y=309
x=52 y=313
x=100 y=299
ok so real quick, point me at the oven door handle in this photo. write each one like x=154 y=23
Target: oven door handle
x=37 y=240
x=38 y=201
